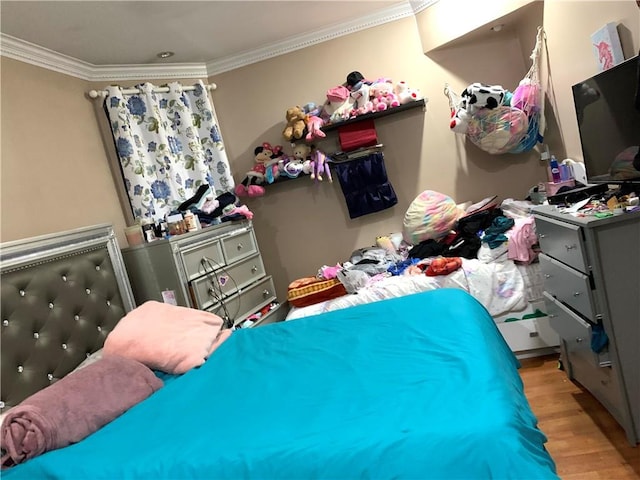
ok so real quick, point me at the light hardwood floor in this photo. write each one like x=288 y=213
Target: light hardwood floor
x=584 y=439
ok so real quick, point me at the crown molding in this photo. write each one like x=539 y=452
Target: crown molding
x=33 y=54
x=232 y=62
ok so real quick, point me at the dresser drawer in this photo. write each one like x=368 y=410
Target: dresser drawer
x=600 y=381
x=210 y=287
x=575 y=331
x=239 y=246
x=567 y=285
x=201 y=258
x=247 y=301
x=563 y=242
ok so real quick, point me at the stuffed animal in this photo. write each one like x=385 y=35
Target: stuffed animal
x=383 y=96
x=460 y=118
x=320 y=166
x=266 y=166
x=295 y=124
x=294 y=167
x=338 y=106
x=481 y=95
x=314 y=123
x=362 y=103
x=405 y=93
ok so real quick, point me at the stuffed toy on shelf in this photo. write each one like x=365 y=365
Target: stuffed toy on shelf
x=296 y=124
x=320 y=166
x=265 y=170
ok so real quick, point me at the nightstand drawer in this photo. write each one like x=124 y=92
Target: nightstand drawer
x=567 y=285
x=247 y=301
x=238 y=246
x=575 y=331
x=201 y=258
x=215 y=284
x=563 y=242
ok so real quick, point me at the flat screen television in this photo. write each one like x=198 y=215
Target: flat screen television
x=607 y=108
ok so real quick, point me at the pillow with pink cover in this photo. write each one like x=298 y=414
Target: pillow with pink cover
x=166 y=337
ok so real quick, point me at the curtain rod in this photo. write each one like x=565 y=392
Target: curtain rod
x=131 y=91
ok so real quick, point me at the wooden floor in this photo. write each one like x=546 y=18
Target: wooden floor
x=584 y=439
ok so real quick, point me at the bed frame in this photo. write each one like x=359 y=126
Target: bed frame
x=61 y=294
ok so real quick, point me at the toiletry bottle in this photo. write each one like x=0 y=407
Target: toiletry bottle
x=555 y=170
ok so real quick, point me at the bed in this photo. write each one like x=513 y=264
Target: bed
x=422 y=386
x=509 y=289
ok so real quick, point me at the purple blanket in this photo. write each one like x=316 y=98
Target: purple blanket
x=74 y=407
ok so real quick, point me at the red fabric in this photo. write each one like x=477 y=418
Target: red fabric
x=357 y=135
x=443 y=266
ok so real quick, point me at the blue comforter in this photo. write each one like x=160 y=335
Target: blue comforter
x=416 y=387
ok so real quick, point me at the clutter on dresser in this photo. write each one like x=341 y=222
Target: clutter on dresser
x=202 y=210
x=497 y=120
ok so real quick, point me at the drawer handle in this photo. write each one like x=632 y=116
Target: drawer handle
x=254 y=269
x=576 y=294
x=578 y=340
x=570 y=247
x=552 y=315
x=542 y=235
x=240 y=246
x=546 y=275
x=266 y=293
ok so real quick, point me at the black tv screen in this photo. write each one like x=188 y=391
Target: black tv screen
x=607 y=107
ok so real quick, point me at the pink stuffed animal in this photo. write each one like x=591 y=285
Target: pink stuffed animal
x=383 y=96
x=320 y=166
x=314 y=123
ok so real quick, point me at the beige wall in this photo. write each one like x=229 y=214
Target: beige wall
x=53 y=174
x=60 y=178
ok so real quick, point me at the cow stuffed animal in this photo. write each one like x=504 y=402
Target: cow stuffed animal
x=481 y=95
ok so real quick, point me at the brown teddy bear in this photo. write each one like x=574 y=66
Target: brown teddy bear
x=296 y=123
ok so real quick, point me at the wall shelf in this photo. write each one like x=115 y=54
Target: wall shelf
x=375 y=115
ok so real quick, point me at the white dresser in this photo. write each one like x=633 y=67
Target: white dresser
x=591 y=271
x=218 y=269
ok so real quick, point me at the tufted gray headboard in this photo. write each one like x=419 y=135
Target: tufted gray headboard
x=61 y=295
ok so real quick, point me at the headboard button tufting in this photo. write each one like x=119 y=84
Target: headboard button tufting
x=22 y=292
x=64 y=346
x=50 y=376
x=20 y=369
x=99 y=328
x=1 y=404
x=108 y=303
x=64 y=278
x=76 y=317
x=5 y=323
x=98 y=268
x=88 y=290
x=36 y=335
x=50 y=306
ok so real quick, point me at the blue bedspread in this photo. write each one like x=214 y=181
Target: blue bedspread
x=416 y=387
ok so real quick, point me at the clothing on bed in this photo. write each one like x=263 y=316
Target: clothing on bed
x=418 y=387
x=74 y=407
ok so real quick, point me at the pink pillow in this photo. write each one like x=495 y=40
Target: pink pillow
x=167 y=337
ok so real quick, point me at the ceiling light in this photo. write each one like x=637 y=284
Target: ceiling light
x=497 y=28
x=165 y=54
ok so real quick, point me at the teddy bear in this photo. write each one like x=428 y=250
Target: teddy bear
x=265 y=170
x=383 y=96
x=405 y=93
x=294 y=167
x=296 y=123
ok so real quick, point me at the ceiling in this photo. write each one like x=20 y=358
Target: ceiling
x=102 y=33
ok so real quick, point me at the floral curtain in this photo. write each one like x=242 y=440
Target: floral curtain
x=169 y=144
